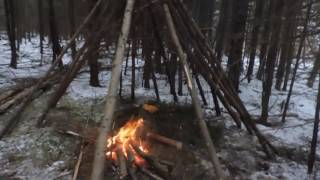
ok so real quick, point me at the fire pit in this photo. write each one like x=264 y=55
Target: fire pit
x=144 y=145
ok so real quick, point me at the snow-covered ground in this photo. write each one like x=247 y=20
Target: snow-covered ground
x=295 y=132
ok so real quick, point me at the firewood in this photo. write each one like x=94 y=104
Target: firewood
x=165 y=140
x=122 y=163
x=132 y=173
x=162 y=169
x=168 y=163
x=132 y=168
x=149 y=173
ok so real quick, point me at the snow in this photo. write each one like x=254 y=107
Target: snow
x=282 y=170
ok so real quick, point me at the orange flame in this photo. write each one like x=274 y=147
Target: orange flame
x=130 y=132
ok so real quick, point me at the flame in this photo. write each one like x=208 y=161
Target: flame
x=121 y=141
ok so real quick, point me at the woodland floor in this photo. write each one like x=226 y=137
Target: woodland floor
x=32 y=153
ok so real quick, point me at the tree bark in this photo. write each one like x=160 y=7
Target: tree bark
x=41 y=28
x=94 y=54
x=255 y=36
x=265 y=38
x=133 y=66
x=223 y=28
x=203 y=12
x=291 y=10
x=314 y=71
x=301 y=44
x=277 y=6
x=239 y=18
x=192 y=90
x=72 y=26
x=11 y=30
x=314 y=140
x=56 y=49
x=99 y=159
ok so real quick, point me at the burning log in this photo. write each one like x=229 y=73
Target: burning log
x=132 y=168
x=165 y=140
x=162 y=169
x=122 y=163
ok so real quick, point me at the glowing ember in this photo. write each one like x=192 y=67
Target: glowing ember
x=122 y=141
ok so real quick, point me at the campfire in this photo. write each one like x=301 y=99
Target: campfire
x=126 y=140
x=128 y=150
x=143 y=145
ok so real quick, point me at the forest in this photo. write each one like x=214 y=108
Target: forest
x=159 y=89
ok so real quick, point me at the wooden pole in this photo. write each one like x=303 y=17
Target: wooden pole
x=192 y=90
x=99 y=159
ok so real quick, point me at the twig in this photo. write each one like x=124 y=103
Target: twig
x=76 y=169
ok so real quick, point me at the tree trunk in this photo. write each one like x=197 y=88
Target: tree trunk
x=41 y=28
x=223 y=28
x=265 y=38
x=99 y=158
x=180 y=80
x=133 y=65
x=56 y=49
x=301 y=44
x=239 y=18
x=258 y=17
x=277 y=6
x=11 y=30
x=94 y=54
x=314 y=71
x=314 y=140
x=291 y=10
x=72 y=26
x=203 y=14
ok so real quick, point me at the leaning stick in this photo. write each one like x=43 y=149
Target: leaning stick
x=99 y=158
x=76 y=169
x=192 y=90
x=165 y=140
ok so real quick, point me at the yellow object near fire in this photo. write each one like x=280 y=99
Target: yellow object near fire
x=150 y=108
